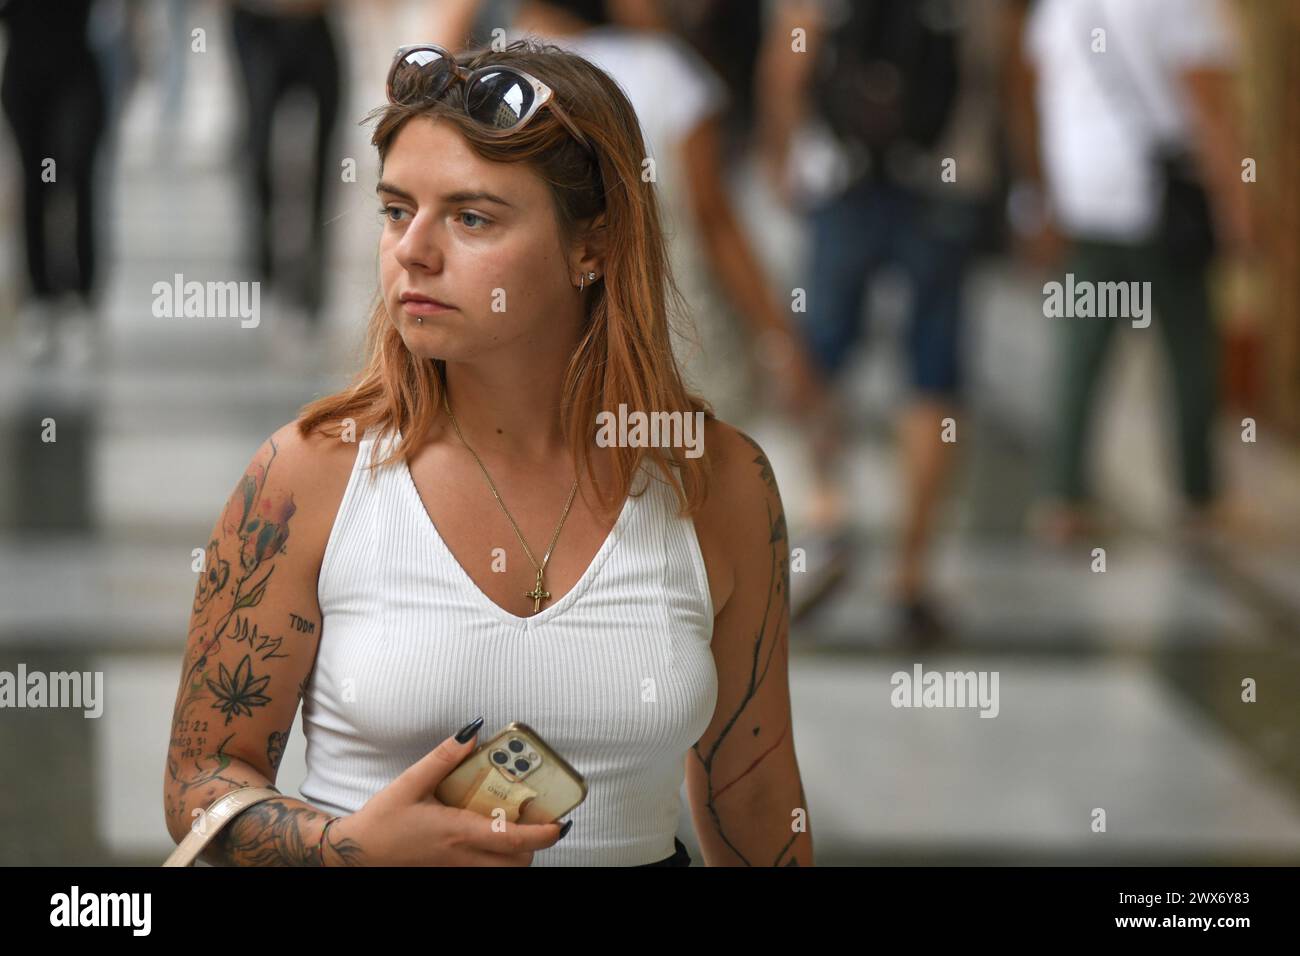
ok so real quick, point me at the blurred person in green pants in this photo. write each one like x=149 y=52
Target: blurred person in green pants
x=1119 y=87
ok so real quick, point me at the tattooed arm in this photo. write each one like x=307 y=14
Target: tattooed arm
x=742 y=777
x=254 y=630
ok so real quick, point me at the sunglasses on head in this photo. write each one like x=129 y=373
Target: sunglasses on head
x=498 y=98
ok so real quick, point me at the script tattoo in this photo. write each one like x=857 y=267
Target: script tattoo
x=263 y=644
x=772 y=631
x=210 y=770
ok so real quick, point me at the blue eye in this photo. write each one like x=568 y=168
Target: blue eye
x=473 y=215
x=387 y=211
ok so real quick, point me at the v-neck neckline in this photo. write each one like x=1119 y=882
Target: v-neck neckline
x=546 y=613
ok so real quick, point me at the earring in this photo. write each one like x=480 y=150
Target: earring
x=582 y=280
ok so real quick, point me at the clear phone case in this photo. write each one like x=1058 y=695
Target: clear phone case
x=517 y=772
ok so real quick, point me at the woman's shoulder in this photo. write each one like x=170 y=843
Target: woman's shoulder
x=311 y=470
x=742 y=486
x=742 y=514
x=737 y=464
x=313 y=457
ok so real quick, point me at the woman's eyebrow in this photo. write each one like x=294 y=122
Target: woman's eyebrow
x=383 y=187
x=461 y=196
x=471 y=196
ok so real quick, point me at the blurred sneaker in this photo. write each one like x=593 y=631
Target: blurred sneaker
x=920 y=625
x=1215 y=526
x=81 y=340
x=829 y=557
x=36 y=333
x=1060 y=523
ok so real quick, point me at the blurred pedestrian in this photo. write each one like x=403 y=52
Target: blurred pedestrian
x=1138 y=170
x=53 y=95
x=285 y=45
x=856 y=99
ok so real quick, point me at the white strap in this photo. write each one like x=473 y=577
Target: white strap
x=214 y=819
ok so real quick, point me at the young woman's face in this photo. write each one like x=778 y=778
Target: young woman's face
x=479 y=237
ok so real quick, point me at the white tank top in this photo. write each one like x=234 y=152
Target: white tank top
x=617 y=675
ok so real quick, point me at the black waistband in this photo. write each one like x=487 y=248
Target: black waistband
x=679 y=858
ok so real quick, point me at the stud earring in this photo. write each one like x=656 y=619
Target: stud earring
x=582 y=280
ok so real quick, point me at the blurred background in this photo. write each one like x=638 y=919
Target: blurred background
x=867 y=200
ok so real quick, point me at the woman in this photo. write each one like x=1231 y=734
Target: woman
x=524 y=292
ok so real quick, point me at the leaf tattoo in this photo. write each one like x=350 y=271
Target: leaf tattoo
x=240 y=693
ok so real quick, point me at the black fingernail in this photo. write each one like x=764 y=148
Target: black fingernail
x=563 y=830
x=469 y=730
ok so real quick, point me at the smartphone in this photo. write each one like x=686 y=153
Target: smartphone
x=517 y=772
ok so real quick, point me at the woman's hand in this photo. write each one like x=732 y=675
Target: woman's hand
x=405 y=825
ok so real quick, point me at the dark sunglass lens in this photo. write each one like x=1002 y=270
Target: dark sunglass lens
x=420 y=76
x=500 y=98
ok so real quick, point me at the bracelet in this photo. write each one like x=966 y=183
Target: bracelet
x=321 y=846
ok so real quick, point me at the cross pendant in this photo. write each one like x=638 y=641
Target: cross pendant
x=537 y=594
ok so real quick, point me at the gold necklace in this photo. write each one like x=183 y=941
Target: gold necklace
x=537 y=595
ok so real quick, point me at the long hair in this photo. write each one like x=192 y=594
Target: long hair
x=624 y=355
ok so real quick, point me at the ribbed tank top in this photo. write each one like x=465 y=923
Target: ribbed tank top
x=617 y=675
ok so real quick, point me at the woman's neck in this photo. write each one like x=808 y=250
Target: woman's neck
x=512 y=422
x=507 y=415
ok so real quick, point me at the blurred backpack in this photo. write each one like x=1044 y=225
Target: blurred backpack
x=888 y=73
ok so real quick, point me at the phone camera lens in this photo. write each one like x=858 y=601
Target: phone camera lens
x=521 y=766
x=499 y=757
x=517 y=746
